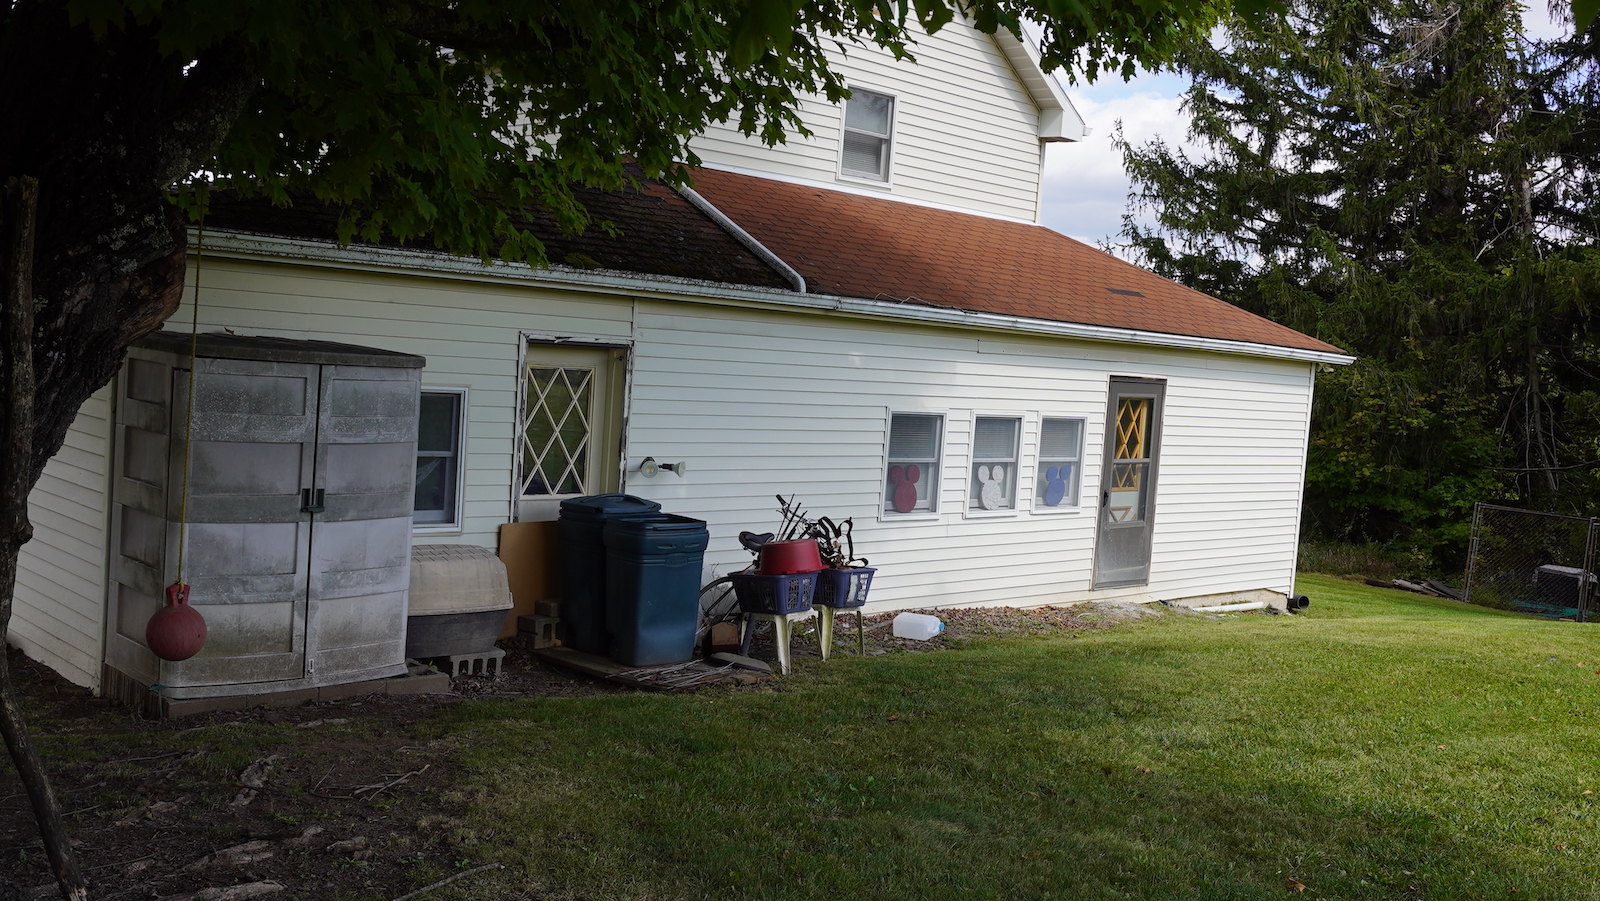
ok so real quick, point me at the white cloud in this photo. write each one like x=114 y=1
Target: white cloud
x=1085 y=187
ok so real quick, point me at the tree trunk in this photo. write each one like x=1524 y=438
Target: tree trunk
x=21 y=196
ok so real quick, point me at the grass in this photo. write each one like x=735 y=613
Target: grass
x=1369 y=559
x=1380 y=746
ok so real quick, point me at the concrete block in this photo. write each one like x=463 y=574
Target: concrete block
x=549 y=607
x=422 y=680
x=541 y=631
x=486 y=663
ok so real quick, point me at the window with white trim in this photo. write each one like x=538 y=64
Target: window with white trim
x=996 y=441
x=868 y=117
x=911 y=481
x=1060 y=462
x=440 y=437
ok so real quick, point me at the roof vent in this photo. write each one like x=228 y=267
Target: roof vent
x=1125 y=292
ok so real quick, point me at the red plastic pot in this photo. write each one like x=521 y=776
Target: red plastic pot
x=782 y=558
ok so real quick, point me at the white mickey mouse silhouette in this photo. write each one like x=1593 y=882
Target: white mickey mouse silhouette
x=992 y=494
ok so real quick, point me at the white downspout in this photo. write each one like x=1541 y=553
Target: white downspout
x=745 y=238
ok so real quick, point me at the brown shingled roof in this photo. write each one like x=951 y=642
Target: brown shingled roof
x=853 y=246
x=660 y=233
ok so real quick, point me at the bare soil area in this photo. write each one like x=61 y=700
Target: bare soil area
x=350 y=799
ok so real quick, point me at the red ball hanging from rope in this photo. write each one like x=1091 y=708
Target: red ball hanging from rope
x=177 y=631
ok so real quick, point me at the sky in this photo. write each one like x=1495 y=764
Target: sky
x=1085 y=189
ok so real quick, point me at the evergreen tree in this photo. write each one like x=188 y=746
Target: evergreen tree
x=1409 y=180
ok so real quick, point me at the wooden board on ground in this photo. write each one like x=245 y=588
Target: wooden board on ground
x=673 y=677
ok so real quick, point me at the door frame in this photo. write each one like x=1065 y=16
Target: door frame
x=1158 y=389
x=621 y=395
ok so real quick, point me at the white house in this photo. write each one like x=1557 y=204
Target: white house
x=870 y=319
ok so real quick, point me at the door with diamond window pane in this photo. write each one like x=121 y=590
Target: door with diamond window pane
x=1128 y=482
x=571 y=426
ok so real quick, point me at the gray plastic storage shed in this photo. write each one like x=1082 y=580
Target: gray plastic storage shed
x=299 y=510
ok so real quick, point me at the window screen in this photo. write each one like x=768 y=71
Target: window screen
x=911 y=480
x=1060 y=456
x=994 y=463
x=867 y=118
x=438 y=482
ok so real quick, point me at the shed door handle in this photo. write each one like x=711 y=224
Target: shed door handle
x=306 y=506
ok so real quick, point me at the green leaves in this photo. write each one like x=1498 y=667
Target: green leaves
x=1409 y=183
x=1583 y=13
x=765 y=25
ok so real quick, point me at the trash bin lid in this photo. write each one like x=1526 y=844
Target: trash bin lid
x=656 y=533
x=657 y=523
x=604 y=505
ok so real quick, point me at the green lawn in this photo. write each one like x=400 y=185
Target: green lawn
x=1380 y=746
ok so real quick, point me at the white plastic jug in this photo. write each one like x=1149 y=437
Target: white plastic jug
x=918 y=626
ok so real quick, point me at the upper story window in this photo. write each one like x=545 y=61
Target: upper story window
x=868 y=117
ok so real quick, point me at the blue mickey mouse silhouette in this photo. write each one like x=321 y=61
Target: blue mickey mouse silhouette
x=1055 y=484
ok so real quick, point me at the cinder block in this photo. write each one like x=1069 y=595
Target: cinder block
x=487 y=663
x=541 y=631
x=551 y=608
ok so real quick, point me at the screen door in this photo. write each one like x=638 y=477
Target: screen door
x=1128 y=482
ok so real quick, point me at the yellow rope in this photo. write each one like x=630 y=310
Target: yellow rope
x=194 y=353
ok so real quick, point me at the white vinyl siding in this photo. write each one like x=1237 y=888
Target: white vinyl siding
x=792 y=404
x=59 y=613
x=966 y=131
x=759 y=403
x=470 y=332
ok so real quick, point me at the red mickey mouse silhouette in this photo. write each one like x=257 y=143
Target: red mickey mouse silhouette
x=904 y=481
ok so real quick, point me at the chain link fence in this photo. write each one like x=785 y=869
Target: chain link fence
x=1537 y=563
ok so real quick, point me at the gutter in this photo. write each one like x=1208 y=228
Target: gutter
x=744 y=237
x=413 y=262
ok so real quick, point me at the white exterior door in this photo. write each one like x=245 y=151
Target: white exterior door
x=571 y=426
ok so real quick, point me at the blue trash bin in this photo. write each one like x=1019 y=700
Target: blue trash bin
x=653 y=564
x=583 y=571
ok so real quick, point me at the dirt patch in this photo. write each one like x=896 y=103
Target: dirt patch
x=343 y=800
x=351 y=799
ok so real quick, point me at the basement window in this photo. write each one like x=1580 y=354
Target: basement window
x=868 y=117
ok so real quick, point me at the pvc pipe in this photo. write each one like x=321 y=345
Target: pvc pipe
x=1233 y=608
